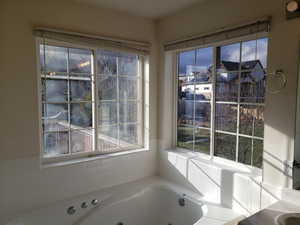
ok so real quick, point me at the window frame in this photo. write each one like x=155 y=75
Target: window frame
x=142 y=92
x=213 y=101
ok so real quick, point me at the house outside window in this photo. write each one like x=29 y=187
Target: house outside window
x=91 y=101
x=221 y=92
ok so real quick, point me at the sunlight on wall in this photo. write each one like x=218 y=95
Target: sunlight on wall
x=220 y=184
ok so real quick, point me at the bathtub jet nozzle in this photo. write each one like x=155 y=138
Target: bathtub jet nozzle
x=181 y=200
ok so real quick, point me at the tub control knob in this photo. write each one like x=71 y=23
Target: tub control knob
x=71 y=210
x=95 y=202
x=84 y=205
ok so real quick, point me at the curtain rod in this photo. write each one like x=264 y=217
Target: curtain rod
x=105 y=38
x=218 y=31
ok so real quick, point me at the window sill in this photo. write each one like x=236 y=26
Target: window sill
x=49 y=164
x=220 y=163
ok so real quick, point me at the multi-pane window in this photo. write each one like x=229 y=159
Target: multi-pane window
x=91 y=101
x=221 y=92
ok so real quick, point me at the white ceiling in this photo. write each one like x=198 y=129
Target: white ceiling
x=148 y=8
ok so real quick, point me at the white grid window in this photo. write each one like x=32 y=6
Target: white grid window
x=91 y=100
x=221 y=92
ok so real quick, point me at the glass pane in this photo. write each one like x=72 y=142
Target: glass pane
x=186 y=62
x=186 y=91
x=245 y=150
x=80 y=90
x=185 y=137
x=228 y=58
x=203 y=91
x=56 y=144
x=262 y=51
x=202 y=141
x=108 y=138
x=202 y=114
x=253 y=86
x=204 y=60
x=252 y=120
x=127 y=88
x=128 y=112
x=107 y=87
x=42 y=58
x=225 y=119
x=56 y=59
x=107 y=62
x=80 y=61
x=128 y=64
x=128 y=135
x=54 y=90
x=185 y=112
x=107 y=113
x=258 y=147
x=81 y=115
x=227 y=86
x=248 y=52
x=55 y=117
x=225 y=146
x=81 y=141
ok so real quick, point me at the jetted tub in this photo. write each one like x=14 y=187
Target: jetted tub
x=149 y=201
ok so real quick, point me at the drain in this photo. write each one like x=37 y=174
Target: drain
x=120 y=223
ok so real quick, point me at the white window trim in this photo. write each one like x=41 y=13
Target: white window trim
x=174 y=70
x=95 y=153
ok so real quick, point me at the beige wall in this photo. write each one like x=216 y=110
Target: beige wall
x=23 y=184
x=283 y=54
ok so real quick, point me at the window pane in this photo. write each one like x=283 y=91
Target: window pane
x=108 y=138
x=42 y=58
x=81 y=141
x=258 y=147
x=204 y=60
x=127 y=88
x=55 y=117
x=56 y=59
x=248 y=51
x=225 y=146
x=203 y=91
x=54 y=90
x=185 y=137
x=81 y=115
x=227 y=86
x=202 y=114
x=245 y=146
x=80 y=90
x=128 y=112
x=186 y=91
x=186 y=62
x=128 y=135
x=262 y=51
x=80 y=61
x=185 y=112
x=107 y=62
x=107 y=113
x=252 y=120
x=228 y=58
x=107 y=87
x=253 y=86
x=225 y=119
x=128 y=64
x=56 y=144
x=202 y=141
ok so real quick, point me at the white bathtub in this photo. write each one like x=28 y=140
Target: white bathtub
x=150 y=201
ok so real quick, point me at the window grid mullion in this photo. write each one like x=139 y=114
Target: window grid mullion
x=238 y=107
x=68 y=99
x=118 y=103
x=213 y=104
x=95 y=100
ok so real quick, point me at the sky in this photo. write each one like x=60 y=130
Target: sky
x=251 y=50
